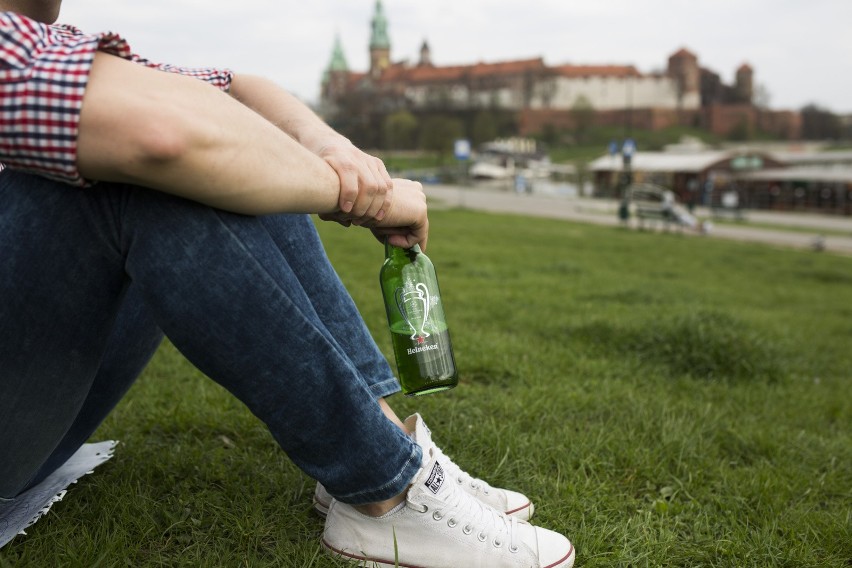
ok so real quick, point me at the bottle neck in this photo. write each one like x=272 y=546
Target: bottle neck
x=392 y=251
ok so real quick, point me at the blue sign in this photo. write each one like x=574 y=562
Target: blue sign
x=613 y=148
x=462 y=149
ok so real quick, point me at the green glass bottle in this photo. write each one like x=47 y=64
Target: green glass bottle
x=421 y=339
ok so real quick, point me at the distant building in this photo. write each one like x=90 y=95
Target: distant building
x=817 y=182
x=551 y=96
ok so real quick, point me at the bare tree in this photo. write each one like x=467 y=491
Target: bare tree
x=762 y=97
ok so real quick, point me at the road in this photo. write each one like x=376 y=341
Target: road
x=794 y=230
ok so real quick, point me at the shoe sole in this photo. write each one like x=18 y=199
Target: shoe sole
x=320 y=507
x=523 y=513
x=364 y=561
x=566 y=562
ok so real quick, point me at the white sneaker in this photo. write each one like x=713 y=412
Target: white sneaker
x=510 y=502
x=441 y=526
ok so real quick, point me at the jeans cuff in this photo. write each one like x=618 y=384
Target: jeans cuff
x=385 y=388
x=395 y=486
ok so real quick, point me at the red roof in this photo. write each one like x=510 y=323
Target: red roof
x=432 y=74
x=683 y=52
x=508 y=67
x=353 y=79
x=597 y=71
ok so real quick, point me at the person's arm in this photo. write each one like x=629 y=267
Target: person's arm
x=365 y=185
x=179 y=135
x=182 y=136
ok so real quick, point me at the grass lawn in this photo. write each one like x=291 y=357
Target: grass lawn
x=665 y=401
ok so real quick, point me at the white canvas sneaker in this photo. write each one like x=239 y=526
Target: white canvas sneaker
x=510 y=502
x=441 y=526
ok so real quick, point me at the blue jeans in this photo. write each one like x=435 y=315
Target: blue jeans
x=88 y=278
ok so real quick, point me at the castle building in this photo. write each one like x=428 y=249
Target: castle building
x=545 y=95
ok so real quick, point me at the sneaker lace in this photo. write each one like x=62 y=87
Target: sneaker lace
x=479 y=519
x=460 y=475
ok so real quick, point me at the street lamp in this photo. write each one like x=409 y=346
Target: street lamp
x=628 y=148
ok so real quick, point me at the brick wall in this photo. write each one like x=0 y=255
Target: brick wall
x=533 y=121
x=722 y=120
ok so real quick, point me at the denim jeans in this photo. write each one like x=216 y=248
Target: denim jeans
x=89 y=277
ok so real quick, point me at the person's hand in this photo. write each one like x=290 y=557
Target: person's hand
x=406 y=222
x=366 y=189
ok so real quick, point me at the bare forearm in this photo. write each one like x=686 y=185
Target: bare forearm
x=180 y=136
x=283 y=109
x=365 y=185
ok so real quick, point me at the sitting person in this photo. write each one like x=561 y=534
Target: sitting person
x=138 y=200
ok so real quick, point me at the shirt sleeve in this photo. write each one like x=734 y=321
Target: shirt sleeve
x=44 y=71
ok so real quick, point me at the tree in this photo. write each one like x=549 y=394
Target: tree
x=762 y=97
x=819 y=123
x=742 y=131
x=583 y=114
x=400 y=130
x=484 y=127
x=356 y=119
x=439 y=133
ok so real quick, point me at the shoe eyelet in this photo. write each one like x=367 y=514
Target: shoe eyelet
x=425 y=509
x=482 y=537
x=459 y=480
x=467 y=529
x=514 y=548
x=452 y=523
x=437 y=515
x=497 y=542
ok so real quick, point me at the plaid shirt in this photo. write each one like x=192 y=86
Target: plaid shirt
x=43 y=75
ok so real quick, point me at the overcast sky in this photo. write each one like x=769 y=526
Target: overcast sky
x=801 y=50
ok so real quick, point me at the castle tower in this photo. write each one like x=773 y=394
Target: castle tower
x=379 y=42
x=336 y=74
x=684 y=69
x=744 y=84
x=425 y=55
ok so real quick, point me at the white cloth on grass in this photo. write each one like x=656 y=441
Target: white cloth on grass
x=28 y=507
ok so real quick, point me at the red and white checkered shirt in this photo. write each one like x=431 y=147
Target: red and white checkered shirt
x=43 y=75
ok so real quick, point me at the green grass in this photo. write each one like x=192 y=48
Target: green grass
x=665 y=401
x=409 y=160
x=595 y=141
